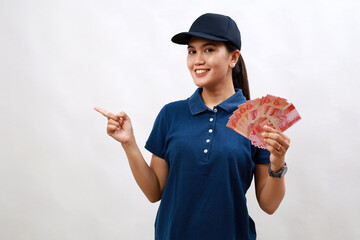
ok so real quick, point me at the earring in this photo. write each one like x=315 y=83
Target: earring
x=232 y=65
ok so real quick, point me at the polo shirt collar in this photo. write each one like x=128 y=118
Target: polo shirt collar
x=197 y=105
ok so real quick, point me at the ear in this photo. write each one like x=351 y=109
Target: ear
x=234 y=57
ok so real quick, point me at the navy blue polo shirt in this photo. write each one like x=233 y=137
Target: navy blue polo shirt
x=210 y=169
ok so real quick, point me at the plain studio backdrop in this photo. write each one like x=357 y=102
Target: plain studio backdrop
x=61 y=175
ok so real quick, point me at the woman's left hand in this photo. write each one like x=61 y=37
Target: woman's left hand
x=278 y=144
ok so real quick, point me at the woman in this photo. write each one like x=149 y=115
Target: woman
x=201 y=169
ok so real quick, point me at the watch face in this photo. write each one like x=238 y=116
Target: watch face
x=283 y=171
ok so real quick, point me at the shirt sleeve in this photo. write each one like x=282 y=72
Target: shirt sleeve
x=156 y=142
x=260 y=156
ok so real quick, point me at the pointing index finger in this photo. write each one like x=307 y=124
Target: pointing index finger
x=102 y=111
x=107 y=114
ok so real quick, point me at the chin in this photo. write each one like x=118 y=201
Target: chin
x=200 y=82
x=205 y=84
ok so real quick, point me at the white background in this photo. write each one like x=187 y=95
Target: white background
x=62 y=177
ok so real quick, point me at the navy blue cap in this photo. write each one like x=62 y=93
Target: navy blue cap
x=211 y=26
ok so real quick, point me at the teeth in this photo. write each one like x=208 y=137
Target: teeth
x=200 y=71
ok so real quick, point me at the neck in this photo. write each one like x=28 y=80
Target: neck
x=214 y=96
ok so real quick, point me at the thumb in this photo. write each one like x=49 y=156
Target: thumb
x=123 y=115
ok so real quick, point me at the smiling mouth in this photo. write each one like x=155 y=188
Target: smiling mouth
x=201 y=71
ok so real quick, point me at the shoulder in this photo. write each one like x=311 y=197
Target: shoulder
x=174 y=111
x=179 y=103
x=176 y=106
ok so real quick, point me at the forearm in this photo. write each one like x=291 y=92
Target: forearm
x=270 y=190
x=272 y=194
x=119 y=127
x=144 y=176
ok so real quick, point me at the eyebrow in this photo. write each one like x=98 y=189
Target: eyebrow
x=204 y=45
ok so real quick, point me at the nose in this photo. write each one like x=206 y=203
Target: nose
x=199 y=59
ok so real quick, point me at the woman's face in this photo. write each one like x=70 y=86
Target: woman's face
x=209 y=62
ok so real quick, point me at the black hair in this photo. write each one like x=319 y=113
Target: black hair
x=239 y=74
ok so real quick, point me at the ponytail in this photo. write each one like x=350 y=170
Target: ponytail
x=239 y=74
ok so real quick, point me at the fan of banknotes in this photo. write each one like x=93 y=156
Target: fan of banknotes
x=251 y=116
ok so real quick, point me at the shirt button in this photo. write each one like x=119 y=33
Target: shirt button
x=215 y=109
x=205 y=151
x=211 y=119
x=210 y=130
x=207 y=140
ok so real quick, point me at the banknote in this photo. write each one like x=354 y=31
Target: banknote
x=251 y=116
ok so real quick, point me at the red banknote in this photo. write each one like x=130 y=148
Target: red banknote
x=251 y=116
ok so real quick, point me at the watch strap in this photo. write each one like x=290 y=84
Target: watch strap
x=278 y=174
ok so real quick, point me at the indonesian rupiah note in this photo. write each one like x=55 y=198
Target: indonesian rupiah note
x=251 y=116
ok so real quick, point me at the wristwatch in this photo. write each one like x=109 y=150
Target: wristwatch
x=278 y=174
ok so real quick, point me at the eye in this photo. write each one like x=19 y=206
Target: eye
x=191 y=51
x=209 y=50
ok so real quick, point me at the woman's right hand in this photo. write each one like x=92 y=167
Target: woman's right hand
x=119 y=126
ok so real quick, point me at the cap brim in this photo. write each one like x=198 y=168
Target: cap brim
x=184 y=37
